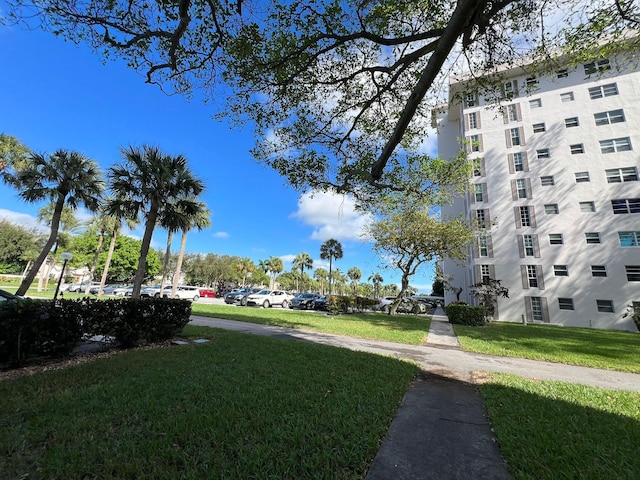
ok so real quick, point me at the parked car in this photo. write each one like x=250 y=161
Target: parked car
x=407 y=305
x=320 y=303
x=269 y=298
x=79 y=287
x=230 y=298
x=123 y=291
x=107 y=290
x=242 y=299
x=185 y=292
x=208 y=293
x=154 y=291
x=304 y=301
x=9 y=297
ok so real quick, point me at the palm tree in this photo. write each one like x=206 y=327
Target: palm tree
x=64 y=178
x=172 y=220
x=244 y=267
x=275 y=267
x=263 y=265
x=377 y=280
x=200 y=218
x=143 y=183
x=354 y=275
x=302 y=260
x=331 y=249
x=321 y=275
x=103 y=224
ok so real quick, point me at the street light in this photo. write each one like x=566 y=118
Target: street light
x=66 y=256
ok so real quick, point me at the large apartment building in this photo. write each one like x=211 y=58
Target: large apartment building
x=555 y=193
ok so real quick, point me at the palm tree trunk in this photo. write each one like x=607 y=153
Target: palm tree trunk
x=95 y=262
x=112 y=247
x=165 y=266
x=53 y=235
x=150 y=224
x=330 y=278
x=183 y=244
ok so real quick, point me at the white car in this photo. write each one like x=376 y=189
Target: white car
x=269 y=298
x=185 y=292
x=124 y=291
x=154 y=291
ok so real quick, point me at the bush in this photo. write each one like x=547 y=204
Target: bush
x=462 y=314
x=50 y=328
x=346 y=304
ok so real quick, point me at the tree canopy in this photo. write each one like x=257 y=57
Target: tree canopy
x=340 y=93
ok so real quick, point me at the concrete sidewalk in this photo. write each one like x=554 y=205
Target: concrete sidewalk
x=441 y=430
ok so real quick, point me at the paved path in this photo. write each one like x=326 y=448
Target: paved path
x=441 y=431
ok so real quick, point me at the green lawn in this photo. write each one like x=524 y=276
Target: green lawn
x=409 y=329
x=556 y=430
x=242 y=406
x=608 y=349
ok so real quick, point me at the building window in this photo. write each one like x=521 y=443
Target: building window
x=596 y=66
x=605 y=306
x=561 y=270
x=535 y=103
x=598 y=270
x=567 y=97
x=576 y=148
x=473 y=120
x=478 y=167
x=543 y=153
x=485 y=273
x=565 y=303
x=587 y=207
x=592 y=237
x=547 y=181
x=629 y=239
x=480 y=193
x=551 y=208
x=562 y=73
x=483 y=246
x=619 y=175
x=615 y=145
x=532 y=276
x=510 y=89
x=607 y=118
x=536 y=309
x=539 y=127
x=603 y=91
x=555 y=239
x=475 y=143
x=571 y=122
x=515 y=136
x=518 y=162
x=482 y=218
x=626 y=205
x=633 y=273
x=470 y=99
x=512 y=113
x=529 y=246
x=531 y=82
x=521 y=187
x=525 y=217
x=582 y=177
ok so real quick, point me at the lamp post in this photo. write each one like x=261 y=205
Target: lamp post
x=65 y=256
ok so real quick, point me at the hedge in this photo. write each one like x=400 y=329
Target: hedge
x=466 y=314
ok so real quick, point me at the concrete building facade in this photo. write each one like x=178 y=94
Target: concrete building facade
x=555 y=193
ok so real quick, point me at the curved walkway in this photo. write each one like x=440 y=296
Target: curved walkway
x=440 y=431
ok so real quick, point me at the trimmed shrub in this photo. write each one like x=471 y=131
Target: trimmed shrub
x=462 y=314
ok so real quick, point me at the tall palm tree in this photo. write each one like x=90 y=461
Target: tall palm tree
x=144 y=182
x=64 y=178
x=172 y=219
x=102 y=224
x=321 y=275
x=301 y=261
x=244 y=267
x=377 y=280
x=331 y=249
x=354 y=275
x=200 y=219
x=275 y=267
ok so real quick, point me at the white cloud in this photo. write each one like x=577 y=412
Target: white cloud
x=331 y=216
x=22 y=219
x=220 y=235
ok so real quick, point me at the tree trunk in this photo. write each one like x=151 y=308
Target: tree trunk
x=183 y=244
x=165 y=266
x=53 y=235
x=404 y=286
x=330 y=279
x=150 y=225
x=112 y=247
x=95 y=262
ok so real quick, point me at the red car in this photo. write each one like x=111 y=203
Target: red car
x=207 y=293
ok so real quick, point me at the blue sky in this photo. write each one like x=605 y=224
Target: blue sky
x=54 y=94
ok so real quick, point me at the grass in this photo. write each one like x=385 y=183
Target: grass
x=241 y=406
x=556 y=430
x=606 y=349
x=407 y=329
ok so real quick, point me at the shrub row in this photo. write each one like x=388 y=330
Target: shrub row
x=50 y=328
x=349 y=303
x=463 y=314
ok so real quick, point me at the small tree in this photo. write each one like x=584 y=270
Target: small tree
x=487 y=293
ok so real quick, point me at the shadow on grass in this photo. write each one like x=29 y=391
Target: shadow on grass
x=553 y=430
